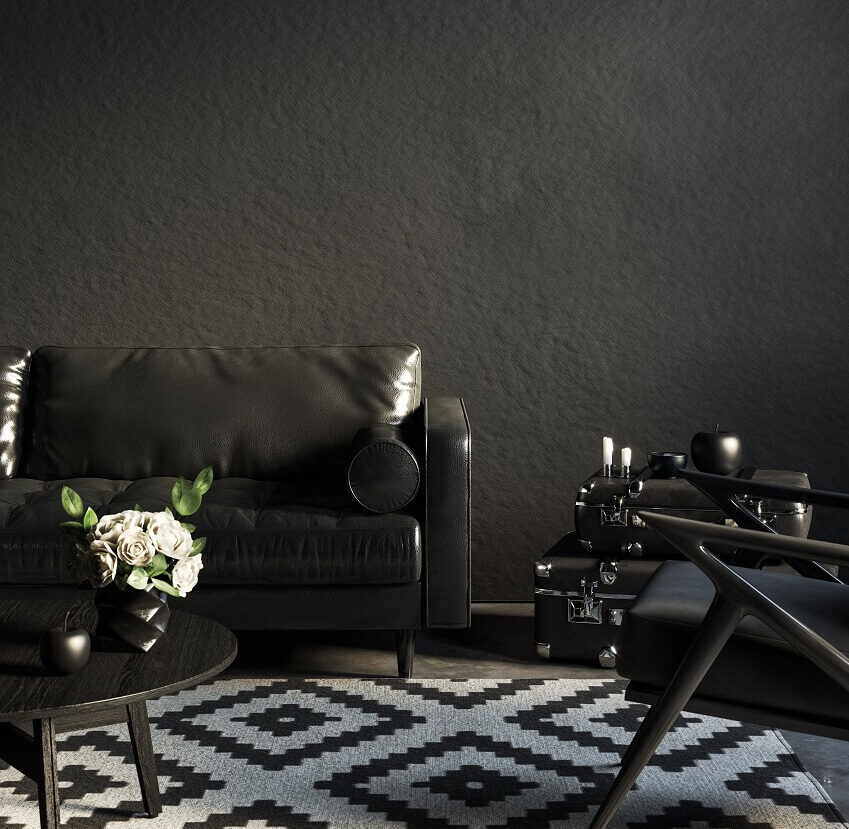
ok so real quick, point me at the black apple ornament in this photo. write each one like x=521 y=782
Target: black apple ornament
x=64 y=651
x=717 y=452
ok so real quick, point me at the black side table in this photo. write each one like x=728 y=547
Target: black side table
x=112 y=688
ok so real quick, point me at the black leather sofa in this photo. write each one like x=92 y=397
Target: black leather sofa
x=288 y=547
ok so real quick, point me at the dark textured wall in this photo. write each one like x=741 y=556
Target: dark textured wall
x=594 y=217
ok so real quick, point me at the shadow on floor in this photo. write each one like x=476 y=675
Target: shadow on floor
x=498 y=644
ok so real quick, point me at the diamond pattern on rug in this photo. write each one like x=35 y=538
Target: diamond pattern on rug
x=312 y=754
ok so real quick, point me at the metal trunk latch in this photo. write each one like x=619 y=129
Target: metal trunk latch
x=543 y=569
x=607 y=657
x=615 y=514
x=607 y=572
x=586 y=610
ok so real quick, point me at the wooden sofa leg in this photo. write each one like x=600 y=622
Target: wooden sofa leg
x=405 y=642
x=719 y=623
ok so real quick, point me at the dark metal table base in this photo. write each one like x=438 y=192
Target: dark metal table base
x=34 y=755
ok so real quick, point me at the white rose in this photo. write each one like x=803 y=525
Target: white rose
x=146 y=517
x=102 y=563
x=183 y=547
x=184 y=577
x=168 y=536
x=135 y=547
x=160 y=527
x=131 y=518
x=108 y=528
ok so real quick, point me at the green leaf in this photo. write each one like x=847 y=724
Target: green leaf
x=198 y=546
x=164 y=587
x=190 y=527
x=168 y=510
x=137 y=508
x=73 y=528
x=185 y=497
x=72 y=503
x=137 y=578
x=204 y=480
x=177 y=491
x=158 y=565
x=90 y=519
x=189 y=502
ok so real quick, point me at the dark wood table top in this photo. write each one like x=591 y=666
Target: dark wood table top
x=193 y=650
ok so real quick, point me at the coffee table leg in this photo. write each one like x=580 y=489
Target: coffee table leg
x=145 y=759
x=45 y=768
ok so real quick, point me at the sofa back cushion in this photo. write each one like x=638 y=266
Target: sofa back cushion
x=263 y=412
x=14 y=371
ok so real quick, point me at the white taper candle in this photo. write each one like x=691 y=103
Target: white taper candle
x=626 y=456
x=607 y=451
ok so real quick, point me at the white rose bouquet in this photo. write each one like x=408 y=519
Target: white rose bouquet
x=139 y=549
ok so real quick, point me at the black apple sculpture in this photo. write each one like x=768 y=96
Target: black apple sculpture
x=64 y=651
x=718 y=453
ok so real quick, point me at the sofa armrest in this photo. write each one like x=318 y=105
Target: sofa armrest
x=447 y=524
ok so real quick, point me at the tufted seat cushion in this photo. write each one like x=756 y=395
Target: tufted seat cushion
x=259 y=532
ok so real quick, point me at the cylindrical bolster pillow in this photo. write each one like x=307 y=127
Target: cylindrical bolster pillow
x=383 y=474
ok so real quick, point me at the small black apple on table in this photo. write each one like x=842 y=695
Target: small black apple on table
x=65 y=651
x=717 y=452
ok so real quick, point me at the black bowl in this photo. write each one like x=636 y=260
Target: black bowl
x=667 y=464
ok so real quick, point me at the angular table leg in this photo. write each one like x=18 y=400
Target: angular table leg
x=45 y=772
x=145 y=759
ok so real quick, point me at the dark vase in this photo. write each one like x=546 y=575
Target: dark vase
x=130 y=620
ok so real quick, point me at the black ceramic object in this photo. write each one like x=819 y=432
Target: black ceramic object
x=130 y=619
x=718 y=453
x=64 y=651
x=667 y=464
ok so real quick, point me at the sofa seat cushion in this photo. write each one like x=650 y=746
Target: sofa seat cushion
x=756 y=668
x=259 y=532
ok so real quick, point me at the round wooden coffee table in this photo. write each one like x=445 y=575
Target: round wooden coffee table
x=111 y=688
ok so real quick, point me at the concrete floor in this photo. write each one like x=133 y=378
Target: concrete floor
x=499 y=644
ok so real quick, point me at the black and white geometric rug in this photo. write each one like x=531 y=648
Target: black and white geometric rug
x=421 y=753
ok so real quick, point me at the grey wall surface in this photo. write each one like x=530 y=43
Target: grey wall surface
x=594 y=217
